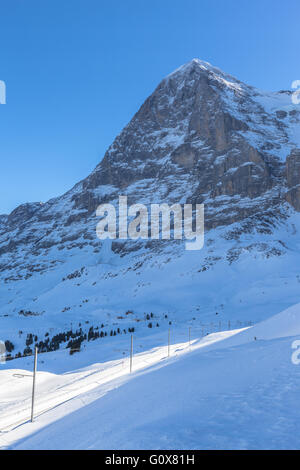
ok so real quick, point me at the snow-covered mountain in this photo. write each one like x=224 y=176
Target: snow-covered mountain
x=201 y=137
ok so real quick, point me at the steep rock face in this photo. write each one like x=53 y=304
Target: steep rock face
x=202 y=136
x=206 y=128
x=293 y=179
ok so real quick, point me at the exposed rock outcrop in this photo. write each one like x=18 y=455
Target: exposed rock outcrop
x=202 y=136
x=293 y=179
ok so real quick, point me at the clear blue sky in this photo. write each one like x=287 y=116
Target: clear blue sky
x=77 y=70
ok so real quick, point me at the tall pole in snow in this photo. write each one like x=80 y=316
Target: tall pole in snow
x=189 y=336
x=131 y=353
x=33 y=383
x=169 y=343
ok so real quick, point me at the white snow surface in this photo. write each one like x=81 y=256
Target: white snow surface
x=228 y=390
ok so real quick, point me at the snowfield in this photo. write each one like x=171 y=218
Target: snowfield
x=228 y=390
x=204 y=137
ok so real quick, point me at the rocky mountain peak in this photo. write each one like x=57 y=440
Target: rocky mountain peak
x=201 y=136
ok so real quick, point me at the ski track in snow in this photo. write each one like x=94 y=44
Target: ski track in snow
x=226 y=390
x=55 y=390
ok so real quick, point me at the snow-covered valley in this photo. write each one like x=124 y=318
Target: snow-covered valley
x=233 y=389
x=231 y=309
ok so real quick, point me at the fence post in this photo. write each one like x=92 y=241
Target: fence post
x=131 y=353
x=33 y=383
x=169 y=343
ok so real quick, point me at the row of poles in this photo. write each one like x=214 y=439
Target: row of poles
x=169 y=346
x=130 y=363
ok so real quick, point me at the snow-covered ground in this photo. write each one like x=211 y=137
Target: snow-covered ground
x=249 y=279
x=233 y=389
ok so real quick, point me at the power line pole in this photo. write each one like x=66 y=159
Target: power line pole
x=33 y=383
x=131 y=353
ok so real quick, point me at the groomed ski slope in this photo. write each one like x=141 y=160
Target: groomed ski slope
x=227 y=391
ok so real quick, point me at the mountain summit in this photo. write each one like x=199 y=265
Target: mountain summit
x=202 y=136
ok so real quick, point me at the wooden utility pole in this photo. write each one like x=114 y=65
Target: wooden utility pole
x=33 y=383
x=131 y=353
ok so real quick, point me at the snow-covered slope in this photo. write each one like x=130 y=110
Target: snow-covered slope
x=284 y=324
x=202 y=136
x=220 y=393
